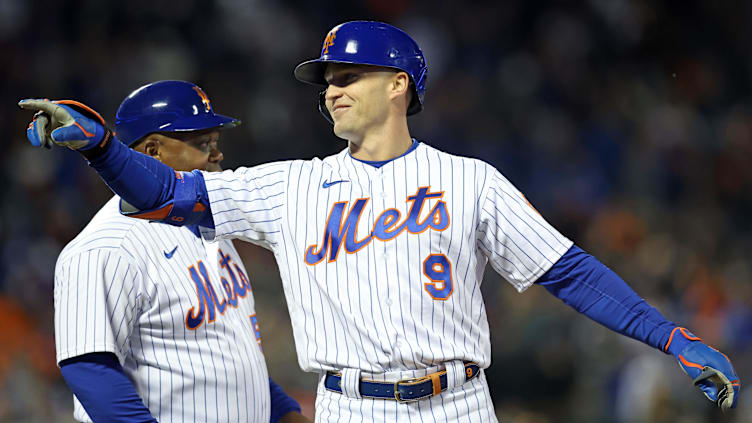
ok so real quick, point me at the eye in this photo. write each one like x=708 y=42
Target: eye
x=343 y=80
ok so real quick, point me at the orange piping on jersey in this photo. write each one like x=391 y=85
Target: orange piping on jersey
x=243 y=278
x=158 y=214
x=387 y=224
x=219 y=306
x=434 y=281
x=530 y=205
x=431 y=214
x=203 y=303
x=324 y=242
x=355 y=231
x=347 y=226
x=420 y=210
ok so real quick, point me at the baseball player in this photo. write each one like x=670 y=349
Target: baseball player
x=152 y=322
x=383 y=246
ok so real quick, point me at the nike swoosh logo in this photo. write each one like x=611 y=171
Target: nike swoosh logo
x=327 y=184
x=169 y=255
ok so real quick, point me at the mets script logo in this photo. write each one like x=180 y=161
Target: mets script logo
x=204 y=98
x=386 y=227
x=329 y=41
x=209 y=303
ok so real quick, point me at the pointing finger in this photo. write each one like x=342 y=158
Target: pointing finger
x=38 y=104
x=57 y=113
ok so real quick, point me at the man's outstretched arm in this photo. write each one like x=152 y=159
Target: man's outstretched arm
x=591 y=288
x=149 y=188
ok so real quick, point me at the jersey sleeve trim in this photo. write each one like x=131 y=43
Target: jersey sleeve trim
x=107 y=347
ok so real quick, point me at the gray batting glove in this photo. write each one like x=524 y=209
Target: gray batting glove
x=65 y=122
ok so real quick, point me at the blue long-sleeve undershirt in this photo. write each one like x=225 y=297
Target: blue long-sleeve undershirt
x=591 y=288
x=104 y=390
x=142 y=181
x=282 y=403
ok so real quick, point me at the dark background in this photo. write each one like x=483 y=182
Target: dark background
x=627 y=123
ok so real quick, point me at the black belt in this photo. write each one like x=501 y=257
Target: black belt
x=404 y=390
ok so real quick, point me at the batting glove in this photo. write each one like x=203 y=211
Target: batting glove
x=65 y=122
x=710 y=369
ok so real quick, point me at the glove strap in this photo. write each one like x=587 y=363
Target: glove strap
x=99 y=149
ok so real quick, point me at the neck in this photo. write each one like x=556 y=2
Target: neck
x=383 y=143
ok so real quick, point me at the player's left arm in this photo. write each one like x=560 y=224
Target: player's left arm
x=284 y=407
x=591 y=288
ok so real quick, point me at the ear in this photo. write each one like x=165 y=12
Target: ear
x=400 y=83
x=400 y=86
x=150 y=145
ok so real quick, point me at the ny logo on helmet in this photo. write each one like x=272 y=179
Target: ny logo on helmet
x=204 y=98
x=329 y=41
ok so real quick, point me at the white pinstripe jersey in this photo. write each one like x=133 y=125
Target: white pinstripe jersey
x=382 y=266
x=177 y=311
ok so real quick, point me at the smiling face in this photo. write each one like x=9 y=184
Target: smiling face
x=184 y=151
x=360 y=98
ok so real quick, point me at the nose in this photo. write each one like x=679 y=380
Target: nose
x=215 y=155
x=331 y=95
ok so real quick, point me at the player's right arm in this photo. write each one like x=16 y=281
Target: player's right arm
x=150 y=189
x=103 y=389
x=243 y=204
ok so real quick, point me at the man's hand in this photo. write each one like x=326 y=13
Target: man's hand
x=65 y=122
x=711 y=371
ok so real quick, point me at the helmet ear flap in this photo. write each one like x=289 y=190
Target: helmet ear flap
x=322 y=107
x=419 y=91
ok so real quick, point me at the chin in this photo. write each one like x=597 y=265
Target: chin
x=340 y=132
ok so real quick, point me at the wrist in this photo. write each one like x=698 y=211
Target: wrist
x=100 y=148
x=680 y=339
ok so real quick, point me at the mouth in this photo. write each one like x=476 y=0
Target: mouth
x=339 y=108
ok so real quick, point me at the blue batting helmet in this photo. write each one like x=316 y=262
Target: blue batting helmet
x=369 y=43
x=166 y=106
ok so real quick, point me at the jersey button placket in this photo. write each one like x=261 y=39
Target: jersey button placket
x=382 y=273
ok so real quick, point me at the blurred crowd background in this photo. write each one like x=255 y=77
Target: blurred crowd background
x=627 y=123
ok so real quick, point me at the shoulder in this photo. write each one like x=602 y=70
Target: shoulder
x=470 y=164
x=108 y=230
x=271 y=172
x=280 y=170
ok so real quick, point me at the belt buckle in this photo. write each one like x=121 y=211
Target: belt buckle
x=407 y=401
